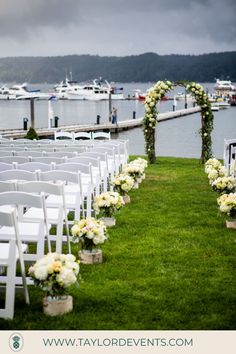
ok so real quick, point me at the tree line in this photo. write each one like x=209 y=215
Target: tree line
x=147 y=67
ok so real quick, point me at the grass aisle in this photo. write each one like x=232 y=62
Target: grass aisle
x=169 y=263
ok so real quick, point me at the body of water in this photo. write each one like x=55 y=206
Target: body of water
x=178 y=137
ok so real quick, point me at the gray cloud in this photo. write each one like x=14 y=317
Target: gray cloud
x=116 y=27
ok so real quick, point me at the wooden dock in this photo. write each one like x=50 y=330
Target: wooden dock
x=113 y=128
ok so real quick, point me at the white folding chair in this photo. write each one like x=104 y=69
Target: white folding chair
x=229 y=155
x=105 y=169
x=63 y=135
x=82 y=135
x=72 y=189
x=86 y=181
x=103 y=135
x=10 y=253
x=30 y=232
x=113 y=164
x=96 y=169
x=55 y=215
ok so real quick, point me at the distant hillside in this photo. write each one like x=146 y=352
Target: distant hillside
x=136 y=68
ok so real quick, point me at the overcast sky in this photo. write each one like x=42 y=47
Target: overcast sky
x=116 y=27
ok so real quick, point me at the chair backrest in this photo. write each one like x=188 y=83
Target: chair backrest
x=6 y=166
x=41 y=187
x=82 y=135
x=7 y=186
x=34 y=166
x=60 y=175
x=63 y=135
x=30 y=153
x=49 y=160
x=17 y=175
x=8 y=152
x=72 y=148
x=74 y=167
x=18 y=159
x=62 y=154
x=85 y=160
x=21 y=198
x=101 y=135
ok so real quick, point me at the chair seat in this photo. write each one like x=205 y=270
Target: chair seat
x=28 y=232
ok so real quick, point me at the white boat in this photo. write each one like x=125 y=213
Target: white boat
x=5 y=94
x=98 y=89
x=21 y=92
x=224 y=85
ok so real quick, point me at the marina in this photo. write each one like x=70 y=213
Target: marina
x=84 y=115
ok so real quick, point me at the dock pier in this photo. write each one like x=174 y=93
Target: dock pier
x=113 y=128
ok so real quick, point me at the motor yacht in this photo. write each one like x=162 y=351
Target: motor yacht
x=224 y=85
x=21 y=92
x=98 y=89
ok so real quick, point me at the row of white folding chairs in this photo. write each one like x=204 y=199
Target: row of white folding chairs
x=230 y=156
x=35 y=221
x=99 y=169
x=81 y=135
x=17 y=231
x=87 y=185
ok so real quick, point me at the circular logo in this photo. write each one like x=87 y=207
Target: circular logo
x=16 y=342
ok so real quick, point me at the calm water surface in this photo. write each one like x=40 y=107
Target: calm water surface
x=177 y=137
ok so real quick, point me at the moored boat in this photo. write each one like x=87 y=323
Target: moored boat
x=98 y=89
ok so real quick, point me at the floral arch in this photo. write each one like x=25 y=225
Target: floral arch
x=155 y=94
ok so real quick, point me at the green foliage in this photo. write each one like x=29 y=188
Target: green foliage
x=155 y=94
x=147 y=67
x=169 y=263
x=32 y=134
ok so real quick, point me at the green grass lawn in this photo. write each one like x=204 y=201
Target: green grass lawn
x=169 y=264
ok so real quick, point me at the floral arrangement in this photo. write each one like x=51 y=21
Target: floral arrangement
x=212 y=163
x=108 y=203
x=141 y=162
x=123 y=183
x=214 y=169
x=55 y=273
x=224 y=184
x=202 y=101
x=135 y=168
x=89 y=233
x=155 y=94
x=227 y=204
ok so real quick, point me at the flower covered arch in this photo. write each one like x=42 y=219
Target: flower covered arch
x=155 y=94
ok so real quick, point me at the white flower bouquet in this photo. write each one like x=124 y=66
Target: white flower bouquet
x=212 y=164
x=108 y=203
x=55 y=273
x=224 y=184
x=227 y=204
x=135 y=170
x=89 y=233
x=123 y=183
x=214 y=169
